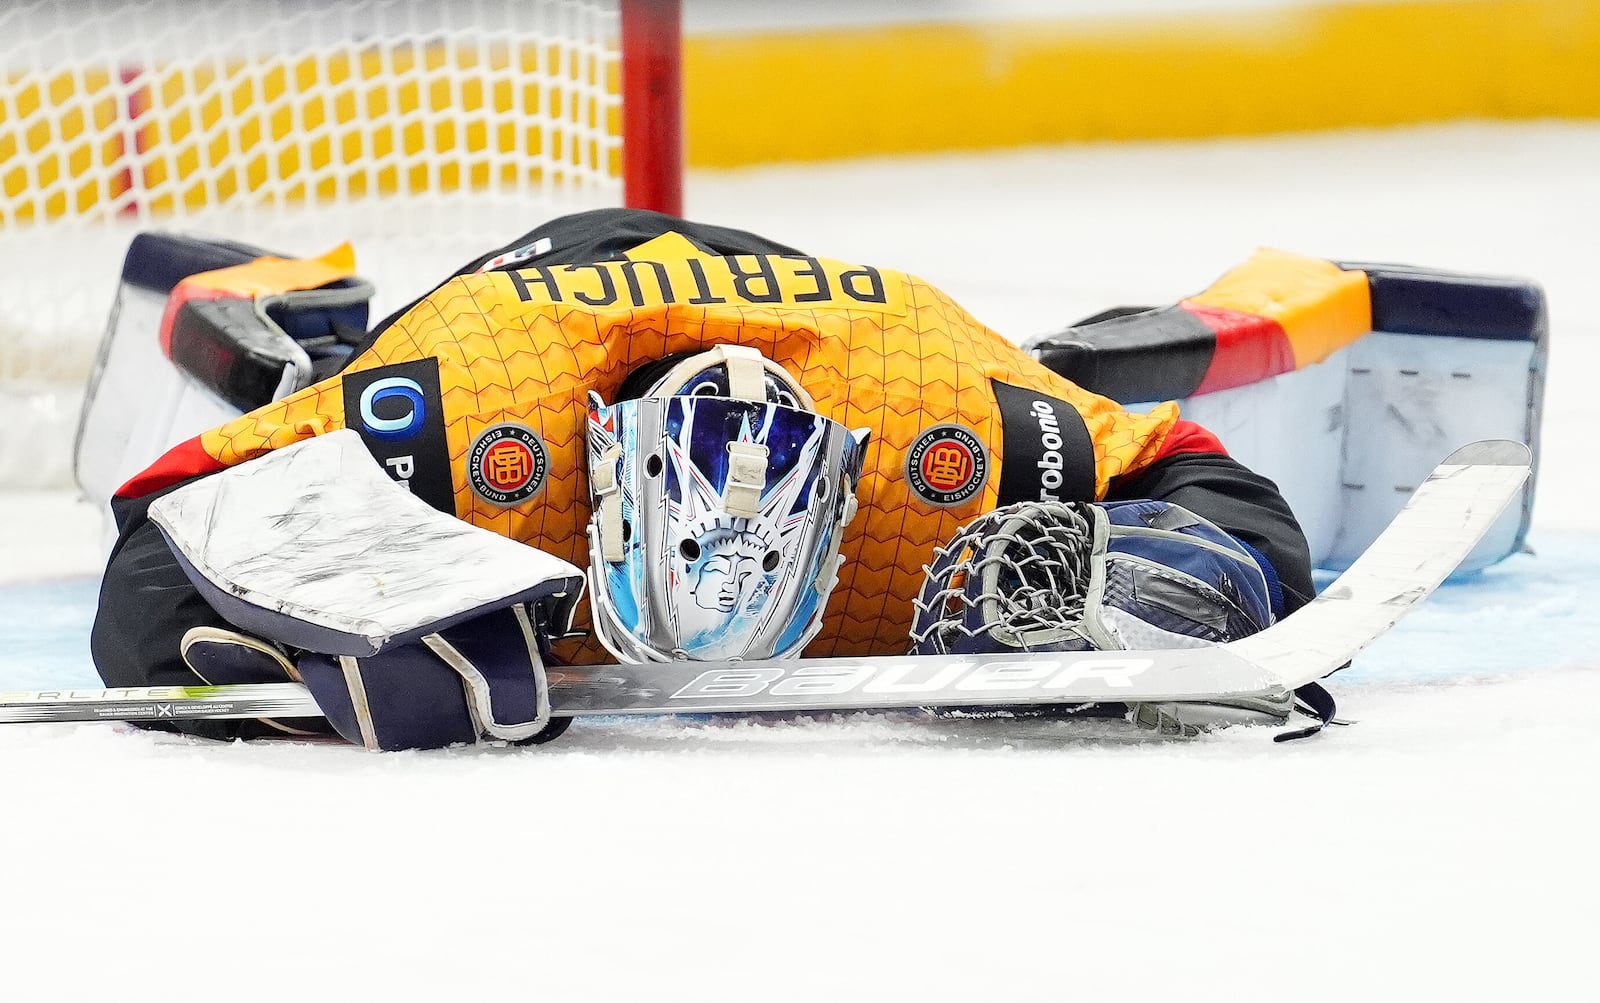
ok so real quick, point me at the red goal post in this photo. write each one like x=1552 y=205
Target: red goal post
x=422 y=131
x=652 y=105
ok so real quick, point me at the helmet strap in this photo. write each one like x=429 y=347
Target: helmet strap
x=603 y=481
x=746 y=373
x=747 y=479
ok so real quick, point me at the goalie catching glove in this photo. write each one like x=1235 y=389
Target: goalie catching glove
x=411 y=628
x=1076 y=576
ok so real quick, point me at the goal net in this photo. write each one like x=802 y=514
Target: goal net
x=421 y=132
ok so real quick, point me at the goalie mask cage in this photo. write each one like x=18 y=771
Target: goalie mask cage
x=422 y=132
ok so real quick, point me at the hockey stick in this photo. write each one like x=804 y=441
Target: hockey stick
x=817 y=684
x=1446 y=517
x=159 y=703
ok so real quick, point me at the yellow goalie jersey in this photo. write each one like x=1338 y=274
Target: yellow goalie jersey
x=475 y=398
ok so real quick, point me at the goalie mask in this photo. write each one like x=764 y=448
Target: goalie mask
x=719 y=499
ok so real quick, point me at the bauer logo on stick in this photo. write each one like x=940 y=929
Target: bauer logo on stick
x=507 y=464
x=947 y=465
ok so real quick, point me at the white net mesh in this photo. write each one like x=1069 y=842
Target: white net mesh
x=424 y=133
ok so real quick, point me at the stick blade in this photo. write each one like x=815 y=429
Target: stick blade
x=1491 y=453
x=1440 y=524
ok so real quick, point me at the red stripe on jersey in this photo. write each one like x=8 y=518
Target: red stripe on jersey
x=1249 y=347
x=185 y=460
x=1187 y=437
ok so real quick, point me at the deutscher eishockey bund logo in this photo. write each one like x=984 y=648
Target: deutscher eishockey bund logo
x=507 y=464
x=947 y=465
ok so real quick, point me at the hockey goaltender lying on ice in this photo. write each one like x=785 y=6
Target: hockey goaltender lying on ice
x=723 y=489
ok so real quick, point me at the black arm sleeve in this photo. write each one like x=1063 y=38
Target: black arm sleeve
x=1238 y=500
x=146 y=606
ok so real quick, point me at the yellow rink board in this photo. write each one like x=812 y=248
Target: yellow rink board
x=920 y=88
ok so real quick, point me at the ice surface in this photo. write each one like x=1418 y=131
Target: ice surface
x=1440 y=848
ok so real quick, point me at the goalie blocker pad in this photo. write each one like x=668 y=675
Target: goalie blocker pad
x=415 y=629
x=481 y=679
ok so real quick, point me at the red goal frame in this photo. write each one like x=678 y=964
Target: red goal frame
x=652 y=105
